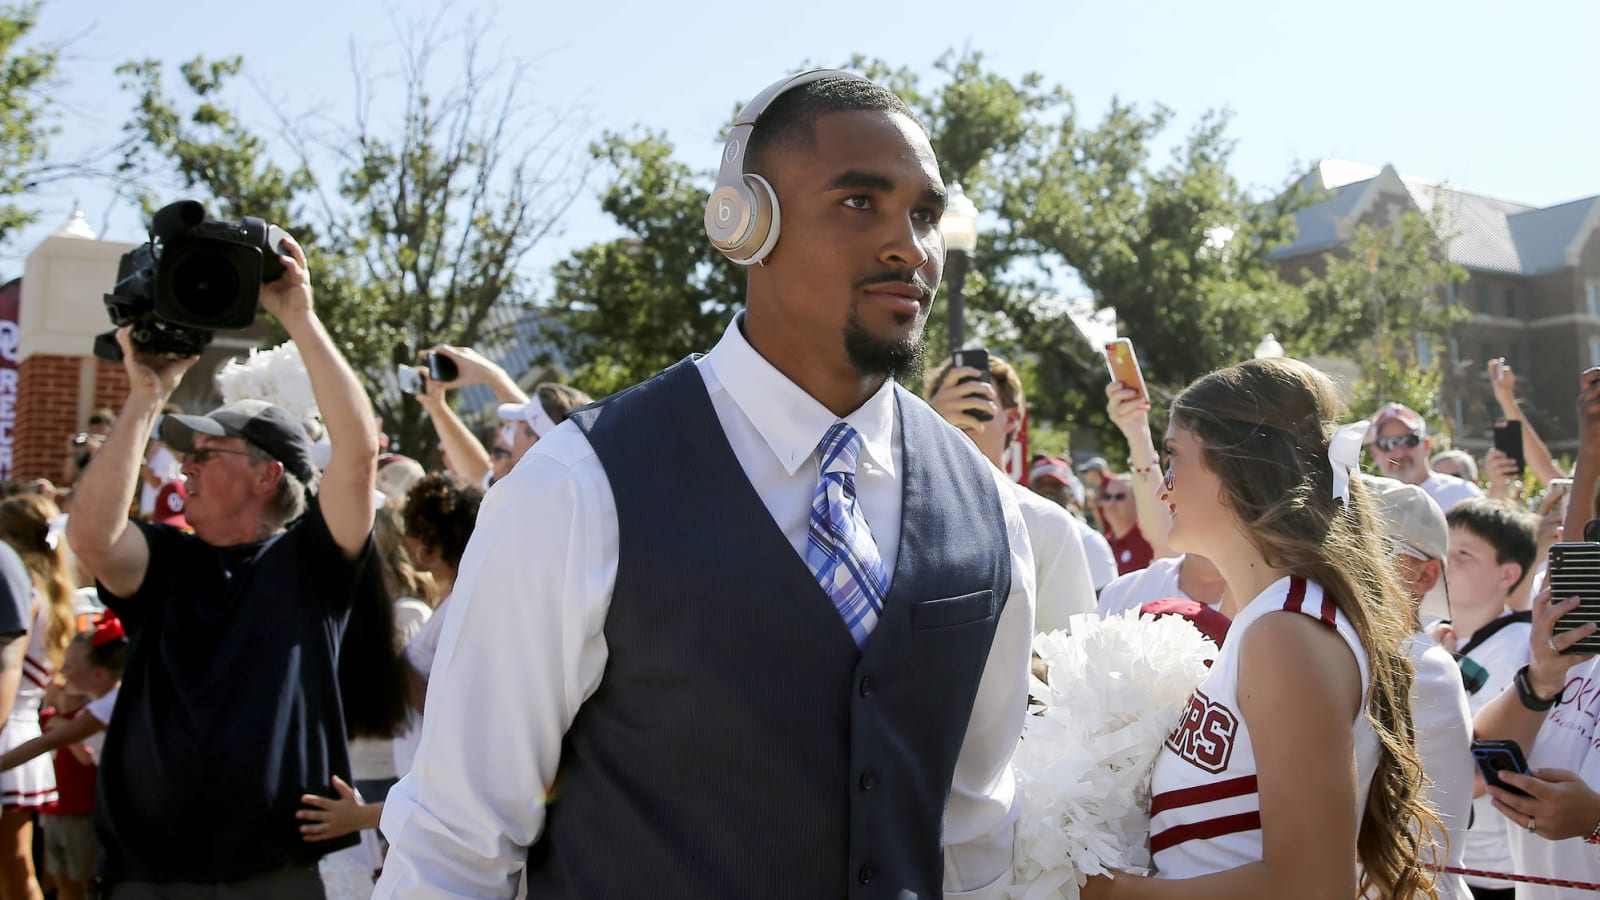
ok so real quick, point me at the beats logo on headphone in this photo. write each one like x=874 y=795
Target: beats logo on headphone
x=742 y=218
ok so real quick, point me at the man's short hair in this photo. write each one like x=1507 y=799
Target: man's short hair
x=289 y=503
x=1007 y=385
x=103 y=417
x=1512 y=533
x=788 y=121
x=1461 y=458
x=559 y=400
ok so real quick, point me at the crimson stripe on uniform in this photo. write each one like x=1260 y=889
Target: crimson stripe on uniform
x=35 y=679
x=1210 y=828
x=19 y=794
x=1297 y=594
x=43 y=669
x=1329 y=610
x=1205 y=793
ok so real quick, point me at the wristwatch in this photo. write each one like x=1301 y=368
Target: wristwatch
x=1530 y=699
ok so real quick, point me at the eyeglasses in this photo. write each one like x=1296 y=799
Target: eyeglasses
x=1391 y=444
x=500 y=453
x=202 y=455
x=1116 y=497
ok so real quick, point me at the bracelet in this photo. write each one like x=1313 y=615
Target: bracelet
x=1154 y=466
x=1594 y=836
x=1530 y=699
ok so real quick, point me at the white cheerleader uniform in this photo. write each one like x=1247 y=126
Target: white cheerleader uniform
x=33 y=783
x=1205 y=815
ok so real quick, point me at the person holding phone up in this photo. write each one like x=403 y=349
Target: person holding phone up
x=1551 y=715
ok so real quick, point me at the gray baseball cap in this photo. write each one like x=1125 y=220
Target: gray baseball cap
x=257 y=422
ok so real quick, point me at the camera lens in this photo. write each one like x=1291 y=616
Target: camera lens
x=205 y=284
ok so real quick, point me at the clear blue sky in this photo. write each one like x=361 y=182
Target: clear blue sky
x=1494 y=98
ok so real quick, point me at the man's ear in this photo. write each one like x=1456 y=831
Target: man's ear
x=1510 y=575
x=1431 y=570
x=270 y=473
x=1013 y=424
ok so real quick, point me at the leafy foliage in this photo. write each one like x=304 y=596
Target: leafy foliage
x=416 y=225
x=25 y=124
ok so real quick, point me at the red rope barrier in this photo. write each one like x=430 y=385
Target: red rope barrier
x=1525 y=879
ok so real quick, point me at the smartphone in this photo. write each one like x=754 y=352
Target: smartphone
x=1124 y=365
x=1508 y=440
x=442 y=368
x=410 y=379
x=1558 y=487
x=974 y=359
x=1575 y=572
x=1494 y=757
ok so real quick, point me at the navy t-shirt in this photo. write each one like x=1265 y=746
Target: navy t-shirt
x=229 y=709
x=16 y=594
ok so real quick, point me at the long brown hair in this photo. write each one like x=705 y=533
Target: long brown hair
x=1265 y=427
x=25 y=527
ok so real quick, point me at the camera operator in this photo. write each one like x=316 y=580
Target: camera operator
x=229 y=700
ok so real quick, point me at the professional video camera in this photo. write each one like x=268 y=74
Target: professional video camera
x=194 y=277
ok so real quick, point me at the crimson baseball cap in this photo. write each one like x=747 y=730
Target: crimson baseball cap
x=1050 y=467
x=259 y=423
x=1392 y=411
x=170 y=503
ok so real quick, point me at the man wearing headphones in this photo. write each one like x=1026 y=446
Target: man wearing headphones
x=768 y=632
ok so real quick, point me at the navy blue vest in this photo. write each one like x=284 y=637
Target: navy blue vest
x=738 y=744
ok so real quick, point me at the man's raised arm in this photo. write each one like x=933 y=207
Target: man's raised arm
x=346 y=494
x=98 y=529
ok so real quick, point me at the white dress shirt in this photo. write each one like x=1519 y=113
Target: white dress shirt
x=523 y=642
x=1063 y=585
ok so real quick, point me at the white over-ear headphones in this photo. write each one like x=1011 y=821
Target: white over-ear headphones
x=742 y=217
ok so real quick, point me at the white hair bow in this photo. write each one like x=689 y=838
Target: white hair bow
x=53 y=531
x=1344 y=454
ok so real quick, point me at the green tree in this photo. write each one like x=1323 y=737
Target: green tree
x=1381 y=301
x=627 y=308
x=1178 y=250
x=25 y=123
x=419 y=222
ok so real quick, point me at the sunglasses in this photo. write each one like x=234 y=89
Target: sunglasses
x=1391 y=444
x=500 y=453
x=203 y=455
x=1116 y=497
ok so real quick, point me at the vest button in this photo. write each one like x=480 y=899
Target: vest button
x=869 y=780
x=865 y=874
x=867 y=685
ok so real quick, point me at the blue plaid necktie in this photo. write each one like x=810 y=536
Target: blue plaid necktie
x=841 y=552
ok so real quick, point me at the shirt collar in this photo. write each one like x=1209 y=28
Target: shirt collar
x=790 y=420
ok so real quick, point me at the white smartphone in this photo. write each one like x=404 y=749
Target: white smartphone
x=410 y=379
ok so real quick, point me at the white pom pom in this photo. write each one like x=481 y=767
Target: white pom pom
x=277 y=376
x=1117 y=687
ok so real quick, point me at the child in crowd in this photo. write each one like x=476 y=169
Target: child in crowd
x=1493 y=546
x=31 y=525
x=92 y=670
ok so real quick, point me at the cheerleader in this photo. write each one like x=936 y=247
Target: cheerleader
x=31 y=525
x=1295 y=758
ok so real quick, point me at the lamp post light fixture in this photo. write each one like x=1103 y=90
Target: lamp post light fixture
x=960 y=228
x=1269 y=348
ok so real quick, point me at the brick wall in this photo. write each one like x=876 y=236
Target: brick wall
x=48 y=393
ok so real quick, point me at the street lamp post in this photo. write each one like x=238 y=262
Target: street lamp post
x=960 y=227
x=1269 y=348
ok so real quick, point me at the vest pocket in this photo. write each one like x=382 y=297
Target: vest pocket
x=948 y=611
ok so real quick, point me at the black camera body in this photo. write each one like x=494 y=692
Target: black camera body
x=194 y=277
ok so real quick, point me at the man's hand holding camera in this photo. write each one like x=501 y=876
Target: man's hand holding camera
x=151 y=376
x=288 y=297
